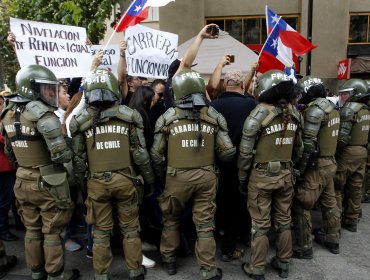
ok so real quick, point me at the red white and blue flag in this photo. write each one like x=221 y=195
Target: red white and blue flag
x=137 y=12
x=282 y=42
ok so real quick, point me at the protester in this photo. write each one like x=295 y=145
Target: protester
x=41 y=188
x=128 y=83
x=7 y=179
x=267 y=153
x=234 y=219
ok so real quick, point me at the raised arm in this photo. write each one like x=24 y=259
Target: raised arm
x=192 y=51
x=121 y=72
x=216 y=75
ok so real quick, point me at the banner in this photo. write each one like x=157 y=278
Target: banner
x=61 y=48
x=110 y=58
x=149 y=52
x=344 y=69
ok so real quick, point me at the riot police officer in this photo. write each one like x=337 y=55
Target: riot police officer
x=317 y=169
x=110 y=138
x=35 y=137
x=351 y=152
x=271 y=138
x=185 y=141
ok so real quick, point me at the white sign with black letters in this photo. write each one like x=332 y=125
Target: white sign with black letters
x=149 y=52
x=61 y=48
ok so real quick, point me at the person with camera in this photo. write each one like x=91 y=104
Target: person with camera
x=232 y=214
x=317 y=169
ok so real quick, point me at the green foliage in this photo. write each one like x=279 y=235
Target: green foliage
x=9 y=63
x=90 y=14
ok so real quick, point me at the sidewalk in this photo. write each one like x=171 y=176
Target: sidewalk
x=351 y=263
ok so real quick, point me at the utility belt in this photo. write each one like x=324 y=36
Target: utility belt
x=273 y=168
x=171 y=171
x=128 y=172
x=53 y=179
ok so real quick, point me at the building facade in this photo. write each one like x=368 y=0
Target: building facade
x=340 y=28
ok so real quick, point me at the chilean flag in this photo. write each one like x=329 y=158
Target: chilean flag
x=283 y=41
x=137 y=12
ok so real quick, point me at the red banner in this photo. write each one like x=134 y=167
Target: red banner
x=344 y=69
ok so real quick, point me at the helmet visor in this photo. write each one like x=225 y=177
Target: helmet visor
x=48 y=91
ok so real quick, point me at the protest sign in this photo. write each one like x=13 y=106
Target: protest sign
x=149 y=52
x=110 y=58
x=61 y=48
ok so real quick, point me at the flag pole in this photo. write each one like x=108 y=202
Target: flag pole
x=272 y=31
x=115 y=27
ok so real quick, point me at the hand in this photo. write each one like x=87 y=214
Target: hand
x=203 y=33
x=88 y=42
x=122 y=48
x=254 y=67
x=225 y=60
x=97 y=60
x=11 y=38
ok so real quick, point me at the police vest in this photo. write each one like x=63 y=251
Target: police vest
x=360 y=128
x=328 y=134
x=275 y=141
x=111 y=150
x=29 y=148
x=184 y=149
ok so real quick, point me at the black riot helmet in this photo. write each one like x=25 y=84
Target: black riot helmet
x=274 y=85
x=309 y=89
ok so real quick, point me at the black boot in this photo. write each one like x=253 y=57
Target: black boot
x=320 y=239
x=170 y=267
x=303 y=255
x=248 y=269
x=282 y=268
x=350 y=227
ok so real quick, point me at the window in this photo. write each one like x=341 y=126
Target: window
x=359 y=29
x=249 y=30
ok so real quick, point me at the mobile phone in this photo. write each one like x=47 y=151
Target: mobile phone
x=213 y=30
x=232 y=58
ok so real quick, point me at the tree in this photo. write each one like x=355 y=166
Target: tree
x=90 y=14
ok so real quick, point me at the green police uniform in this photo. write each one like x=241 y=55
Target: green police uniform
x=33 y=134
x=352 y=152
x=186 y=137
x=110 y=139
x=271 y=135
x=317 y=168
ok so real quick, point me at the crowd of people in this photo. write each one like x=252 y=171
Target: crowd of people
x=177 y=160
